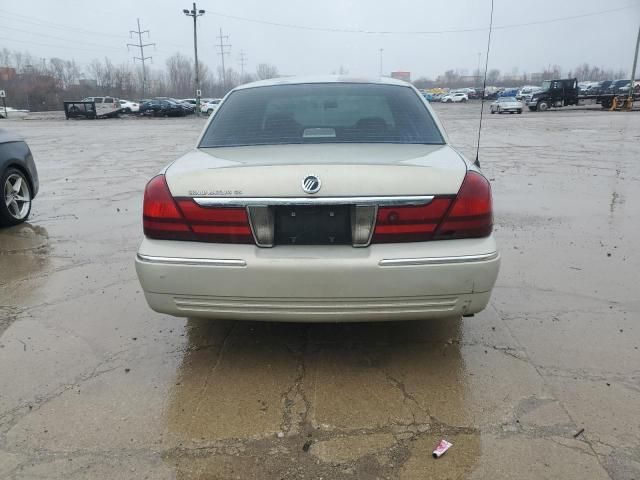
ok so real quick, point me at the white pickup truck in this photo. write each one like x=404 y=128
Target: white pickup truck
x=93 y=107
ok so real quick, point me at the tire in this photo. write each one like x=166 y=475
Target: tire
x=19 y=208
x=543 y=106
x=210 y=111
x=493 y=111
x=519 y=111
x=464 y=100
x=533 y=108
x=499 y=111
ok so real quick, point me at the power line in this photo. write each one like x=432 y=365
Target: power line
x=55 y=26
x=222 y=46
x=418 y=32
x=242 y=60
x=67 y=28
x=68 y=47
x=141 y=46
x=56 y=38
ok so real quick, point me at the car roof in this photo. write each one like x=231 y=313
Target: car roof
x=323 y=79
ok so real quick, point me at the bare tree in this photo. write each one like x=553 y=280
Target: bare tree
x=265 y=71
x=181 y=75
x=5 y=57
x=493 y=76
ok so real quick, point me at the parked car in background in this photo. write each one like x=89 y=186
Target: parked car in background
x=162 y=107
x=188 y=107
x=601 y=87
x=18 y=178
x=319 y=200
x=210 y=105
x=619 y=86
x=506 y=105
x=456 y=97
x=508 y=92
x=428 y=96
x=12 y=113
x=127 y=106
x=526 y=95
x=525 y=92
x=104 y=106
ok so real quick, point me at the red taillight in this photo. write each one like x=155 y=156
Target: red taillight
x=467 y=215
x=167 y=218
x=411 y=223
x=471 y=215
x=222 y=225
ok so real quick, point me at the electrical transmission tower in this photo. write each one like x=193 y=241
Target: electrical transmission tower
x=242 y=60
x=223 y=46
x=142 y=58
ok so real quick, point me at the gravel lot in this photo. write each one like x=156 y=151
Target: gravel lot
x=95 y=385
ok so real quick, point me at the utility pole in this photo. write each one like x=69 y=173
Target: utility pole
x=242 y=60
x=633 y=72
x=381 y=50
x=222 y=46
x=142 y=58
x=195 y=13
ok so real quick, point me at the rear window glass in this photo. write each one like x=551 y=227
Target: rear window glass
x=322 y=113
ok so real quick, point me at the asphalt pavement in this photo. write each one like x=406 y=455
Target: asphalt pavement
x=545 y=383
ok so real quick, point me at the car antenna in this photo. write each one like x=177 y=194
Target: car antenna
x=484 y=85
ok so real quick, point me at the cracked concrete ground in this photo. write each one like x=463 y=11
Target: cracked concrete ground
x=95 y=385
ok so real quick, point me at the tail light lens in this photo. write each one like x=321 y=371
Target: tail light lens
x=467 y=215
x=410 y=223
x=471 y=215
x=167 y=218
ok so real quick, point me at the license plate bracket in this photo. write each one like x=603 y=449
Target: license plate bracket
x=313 y=225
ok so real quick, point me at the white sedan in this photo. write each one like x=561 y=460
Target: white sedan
x=455 y=98
x=127 y=106
x=318 y=200
x=506 y=105
x=210 y=105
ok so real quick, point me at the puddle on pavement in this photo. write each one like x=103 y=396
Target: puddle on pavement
x=23 y=252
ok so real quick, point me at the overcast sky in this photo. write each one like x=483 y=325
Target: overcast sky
x=62 y=28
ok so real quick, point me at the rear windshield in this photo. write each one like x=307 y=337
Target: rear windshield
x=322 y=113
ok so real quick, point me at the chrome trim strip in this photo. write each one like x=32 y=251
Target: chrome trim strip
x=266 y=201
x=204 y=262
x=405 y=262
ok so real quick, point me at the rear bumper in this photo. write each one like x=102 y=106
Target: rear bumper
x=315 y=284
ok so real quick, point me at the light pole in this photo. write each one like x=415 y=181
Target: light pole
x=478 y=70
x=195 y=13
x=381 y=50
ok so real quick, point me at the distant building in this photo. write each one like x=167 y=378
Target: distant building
x=536 y=77
x=405 y=76
x=7 y=73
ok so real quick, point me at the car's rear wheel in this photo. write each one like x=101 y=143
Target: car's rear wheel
x=499 y=110
x=210 y=111
x=519 y=111
x=16 y=195
x=542 y=106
